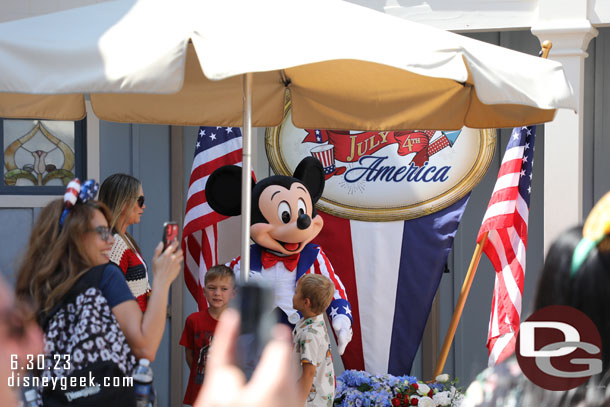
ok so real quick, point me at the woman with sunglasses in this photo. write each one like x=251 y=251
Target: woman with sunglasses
x=124 y=197
x=67 y=240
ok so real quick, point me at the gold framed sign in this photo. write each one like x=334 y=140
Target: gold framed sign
x=385 y=175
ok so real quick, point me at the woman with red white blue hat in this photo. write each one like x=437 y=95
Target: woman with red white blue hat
x=72 y=236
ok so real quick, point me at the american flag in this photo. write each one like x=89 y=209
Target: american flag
x=216 y=146
x=505 y=221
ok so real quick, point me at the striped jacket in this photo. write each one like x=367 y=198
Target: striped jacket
x=311 y=260
x=134 y=268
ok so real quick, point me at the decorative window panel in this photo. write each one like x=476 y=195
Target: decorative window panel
x=41 y=156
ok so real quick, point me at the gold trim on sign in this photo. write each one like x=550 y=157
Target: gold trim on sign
x=487 y=142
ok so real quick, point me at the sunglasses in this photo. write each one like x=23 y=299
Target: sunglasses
x=104 y=232
x=140 y=201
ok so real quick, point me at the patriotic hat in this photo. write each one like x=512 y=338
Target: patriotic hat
x=76 y=193
x=325 y=153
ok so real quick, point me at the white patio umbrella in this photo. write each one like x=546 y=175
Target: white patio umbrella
x=345 y=66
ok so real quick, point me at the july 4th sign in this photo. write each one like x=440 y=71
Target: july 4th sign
x=391 y=206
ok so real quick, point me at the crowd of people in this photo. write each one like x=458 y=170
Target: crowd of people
x=80 y=247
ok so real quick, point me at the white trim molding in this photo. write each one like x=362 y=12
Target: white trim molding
x=563 y=153
x=25 y=201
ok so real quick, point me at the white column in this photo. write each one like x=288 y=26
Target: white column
x=567 y=27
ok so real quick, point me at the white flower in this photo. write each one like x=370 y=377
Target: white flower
x=442 y=378
x=426 y=402
x=423 y=389
x=457 y=400
x=442 y=398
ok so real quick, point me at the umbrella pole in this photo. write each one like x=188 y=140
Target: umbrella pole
x=246 y=178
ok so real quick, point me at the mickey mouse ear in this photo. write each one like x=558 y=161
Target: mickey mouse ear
x=311 y=174
x=223 y=190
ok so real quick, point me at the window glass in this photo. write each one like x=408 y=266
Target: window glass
x=41 y=156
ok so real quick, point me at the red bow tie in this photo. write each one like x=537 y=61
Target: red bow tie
x=269 y=259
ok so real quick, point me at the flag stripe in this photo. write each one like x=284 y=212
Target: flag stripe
x=216 y=146
x=426 y=243
x=203 y=171
x=214 y=152
x=391 y=271
x=230 y=158
x=505 y=223
x=385 y=241
x=340 y=293
x=501 y=347
x=336 y=242
x=201 y=222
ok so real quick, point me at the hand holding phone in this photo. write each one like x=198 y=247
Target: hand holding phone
x=273 y=384
x=170 y=233
x=255 y=304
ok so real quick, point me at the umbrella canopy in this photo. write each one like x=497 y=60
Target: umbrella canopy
x=345 y=66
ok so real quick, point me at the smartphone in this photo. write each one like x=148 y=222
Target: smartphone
x=254 y=301
x=170 y=233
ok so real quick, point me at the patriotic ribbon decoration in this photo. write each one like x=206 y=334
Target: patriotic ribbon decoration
x=76 y=193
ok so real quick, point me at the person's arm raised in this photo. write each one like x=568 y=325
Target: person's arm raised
x=145 y=331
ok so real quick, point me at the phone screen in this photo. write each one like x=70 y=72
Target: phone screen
x=170 y=233
x=255 y=303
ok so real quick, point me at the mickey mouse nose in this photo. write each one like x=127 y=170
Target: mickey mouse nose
x=303 y=221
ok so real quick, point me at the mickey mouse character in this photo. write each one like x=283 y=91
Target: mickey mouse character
x=284 y=222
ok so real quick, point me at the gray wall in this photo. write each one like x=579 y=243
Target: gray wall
x=143 y=151
x=14 y=233
x=597 y=120
x=469 y=354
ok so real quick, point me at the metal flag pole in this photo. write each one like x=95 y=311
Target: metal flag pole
x=472 y=269
x=246 y=178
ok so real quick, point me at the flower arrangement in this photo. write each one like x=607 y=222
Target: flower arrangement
x=361 y=389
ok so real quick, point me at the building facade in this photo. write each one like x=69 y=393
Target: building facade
x=570 y=174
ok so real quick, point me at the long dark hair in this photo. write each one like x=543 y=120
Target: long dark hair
x=588 y=290
x=55 y=258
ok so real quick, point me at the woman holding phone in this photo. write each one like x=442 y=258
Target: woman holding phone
x=124 y=197
x=66 y=242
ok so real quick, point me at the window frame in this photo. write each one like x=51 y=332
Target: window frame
x=80 y=165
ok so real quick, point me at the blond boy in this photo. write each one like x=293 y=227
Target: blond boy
x=219 y=289
x=312 y=296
